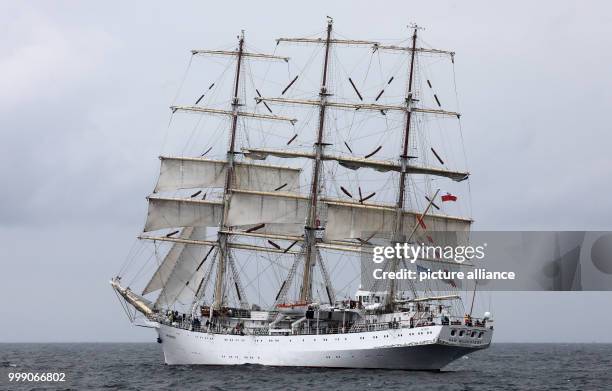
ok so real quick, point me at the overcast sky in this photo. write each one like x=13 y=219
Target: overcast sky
x=84 y=91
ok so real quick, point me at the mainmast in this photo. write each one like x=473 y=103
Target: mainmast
x=222 y=235
x=312 y=223
x=404 y=160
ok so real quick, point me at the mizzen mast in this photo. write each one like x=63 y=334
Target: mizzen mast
x=398 y=235
x=404 y=156
x=399 y=229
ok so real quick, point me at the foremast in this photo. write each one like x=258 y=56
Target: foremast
x=225 y=229
x=222 y=236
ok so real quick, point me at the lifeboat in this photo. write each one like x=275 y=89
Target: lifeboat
x=296 y=308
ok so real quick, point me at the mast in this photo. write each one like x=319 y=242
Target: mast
x=311 y=222
x=404 y=155
x=399 y=221
x=216 y=213
x=171 y=212
x=222 y=235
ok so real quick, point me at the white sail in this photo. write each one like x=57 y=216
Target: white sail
x=176 y=212
x=280 y=212
x=160 y=278
x=251 y=208
x=351 y=221
x=181 y=271
x=262 y=177
x=188 y=173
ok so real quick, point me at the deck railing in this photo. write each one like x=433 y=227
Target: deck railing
x=186 y=324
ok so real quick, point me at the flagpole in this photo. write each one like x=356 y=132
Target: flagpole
x=473 y=297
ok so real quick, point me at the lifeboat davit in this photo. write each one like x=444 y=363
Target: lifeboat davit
x=297 y=308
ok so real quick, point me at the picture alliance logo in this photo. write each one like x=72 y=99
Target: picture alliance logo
x=412 y=253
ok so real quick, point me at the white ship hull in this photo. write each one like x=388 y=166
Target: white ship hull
x=422 y=348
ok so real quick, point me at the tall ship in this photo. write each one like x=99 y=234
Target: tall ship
x=288 y=172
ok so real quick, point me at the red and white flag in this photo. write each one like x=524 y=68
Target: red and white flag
x=448 y=197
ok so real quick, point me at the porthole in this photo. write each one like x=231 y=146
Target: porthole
x=453 y=332
x=461 y=333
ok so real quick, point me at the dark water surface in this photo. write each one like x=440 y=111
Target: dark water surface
x=140 y=367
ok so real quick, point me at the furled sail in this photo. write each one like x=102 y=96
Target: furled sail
x=384 y=166
x=355 y=163
x=189 y=172
x=181 y=271
x=283 y=229
x=347 y=220
x=177 y=212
